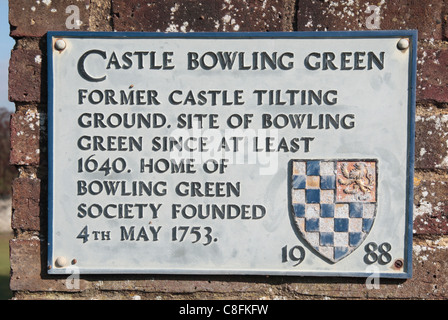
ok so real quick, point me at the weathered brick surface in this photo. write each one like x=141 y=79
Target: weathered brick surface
x=432 y=75
x=35 y=18
x=25 y=260
x=28 y=268
x=426 y=16
x=430 y=205
x=26 y=204
x=25 y=149
x=192 y=15
x=174 y=285
x=26 y=76
x=431 y=150
x=445 y=22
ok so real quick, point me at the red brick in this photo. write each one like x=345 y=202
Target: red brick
x=426 y=16
x=29 y=270
x=26 y=204
x=431 y=151
x=239 y=285
x=445 y=21
x=25 y=260
x=432 y=75
x=26 y=76
x=35 y=18
x=25 y=148
x=193 y=15
x=430 y=206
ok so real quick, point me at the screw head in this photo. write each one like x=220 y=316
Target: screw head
x=403 y=44
x=61 y=262
x=398 y=263
x=60 y=45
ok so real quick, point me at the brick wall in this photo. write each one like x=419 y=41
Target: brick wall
x=30 y=20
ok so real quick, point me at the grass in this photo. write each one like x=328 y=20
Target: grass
x=5 y=293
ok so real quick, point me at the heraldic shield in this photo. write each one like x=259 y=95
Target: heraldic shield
x=333 y=203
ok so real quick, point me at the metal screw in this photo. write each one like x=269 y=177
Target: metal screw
x=60 y=44
x=398 y=263
x=403 y=44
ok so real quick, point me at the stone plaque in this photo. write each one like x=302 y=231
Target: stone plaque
x=231 y=153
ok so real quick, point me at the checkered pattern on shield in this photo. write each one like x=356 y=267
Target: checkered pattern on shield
x=334 y=203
